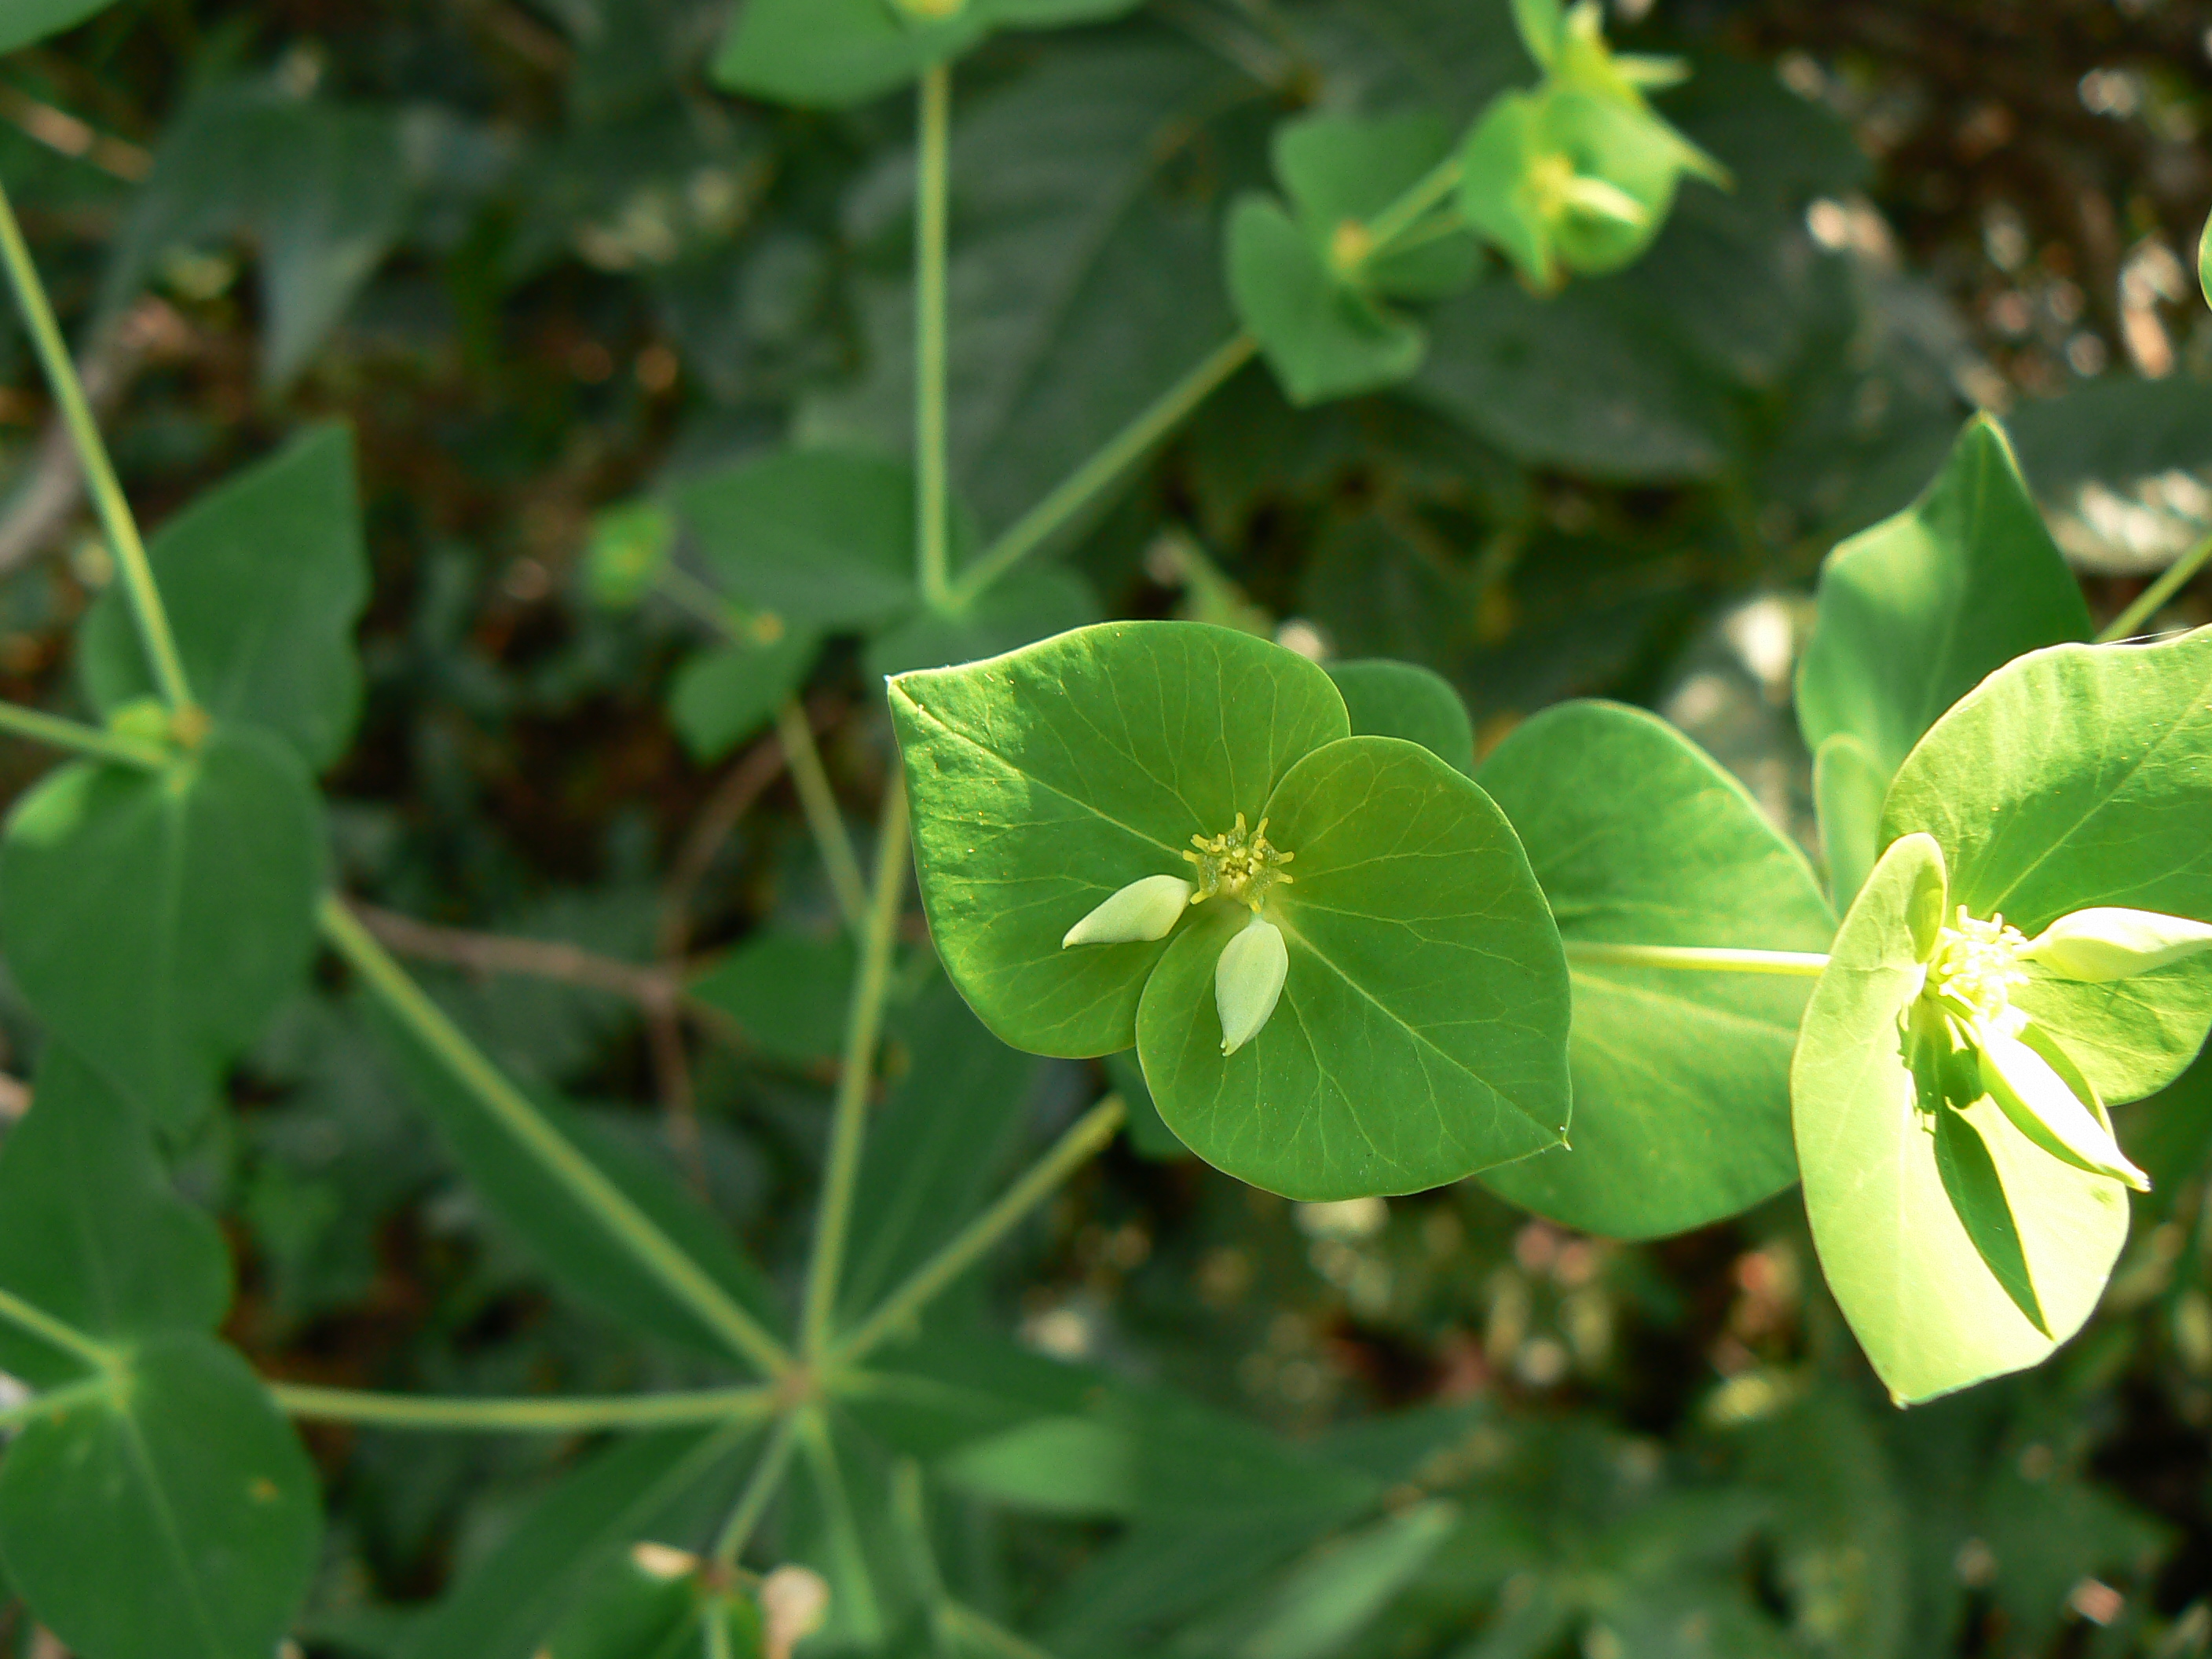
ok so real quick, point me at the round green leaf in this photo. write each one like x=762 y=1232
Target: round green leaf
x=722 y=697
x=1398 y=700
x=831 y=53
x=1322 y=339
x=174 y=1518
x=821 y=537
x=1952 y=1264
x=156 y=919
x=1043 y=780
x=1681 y=1079
x=1916 y=611
x=1422 y=1028
x=1848 y=786
x=2076 y=777
x=91 y=1231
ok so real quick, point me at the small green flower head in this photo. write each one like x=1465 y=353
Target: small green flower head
x=1241 y=865
x=1238 y=864
x=1977 y=1043
x=629 y=544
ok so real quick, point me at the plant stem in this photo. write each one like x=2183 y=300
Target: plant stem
x=626 y=1224
x=91 y=740
x=715 y=1622
x=687 y=593
x=66 y=1337
x=934 y=169
x=752 y=1502
x=848 y=1122
x=1700 y=958
x=525 y=1416
x=801 y=754
x=57 y=1399
x=114 y=508
x=1424 y=193
x=2149 y=602
x=1083 y=1141
x=1119 y=452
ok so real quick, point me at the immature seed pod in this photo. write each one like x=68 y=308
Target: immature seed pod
x=2044 y=1106
x=2107 y=943
x=1145 y=909
x=1247 y=981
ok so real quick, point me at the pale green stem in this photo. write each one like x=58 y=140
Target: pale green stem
x=106 y=492
x=1402 y=215
x=760 y=1490
x=819 y=803
x=932 y=494
x=91 y=740
x=685 y=591
x=715 y=1621
x=2149 y=602
x=1698 y=959
x=966 y=1622
x=1084 y=1141
x=1121 y=452
x=626 y=1224
x=58 y=1400
x=525 y=1416
x=848 y=1120
x=66 y=1337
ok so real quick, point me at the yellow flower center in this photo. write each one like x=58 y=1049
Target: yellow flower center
x=1976 y=968
x=1239 y=865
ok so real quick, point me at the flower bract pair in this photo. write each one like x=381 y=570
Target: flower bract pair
x=1369 y=996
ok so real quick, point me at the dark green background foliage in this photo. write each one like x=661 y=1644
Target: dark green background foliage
x=540 y=266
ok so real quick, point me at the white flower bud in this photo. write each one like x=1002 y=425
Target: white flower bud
x=2107 y=943
x=1145 y=909
x=2045 y=1107
x=1247 y=981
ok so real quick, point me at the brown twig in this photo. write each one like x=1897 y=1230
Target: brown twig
x=501 y=953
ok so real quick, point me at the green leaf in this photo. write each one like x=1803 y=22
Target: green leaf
x=1329 y=1598
x=1044 y=781
x=830 y=53
x=2204 y=262
x=2075 y=778
x=568 y=1239
x=1925 y=1303
x=788 y=991
x=1398 y=700
x=936 y=1147
x=1028 y=606
x=1340 y=169
x=177 y=1516
x=1915 y=611
x=1421 y=1032
x=155 y=920
x=264 y=578
x=1323 y=340
x=27 y=20
x=722 y=697
x=821 y=537
x=1681 y=1079
x=507 y=1606
x=1848 y=786
x=1073 y=1466
x=1540 y=23
x=91 y=1231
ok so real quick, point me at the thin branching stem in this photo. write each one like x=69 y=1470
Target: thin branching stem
x=59 y=1333
x=767 y=1479
x=933 y=464
x=848 y=1120
x=92 y=741
x=819 y=803
x=1118 y=454
x=550 y=1415
x=613 y=1209
x=107 y=496
x=1425 y=192
x=2149 y=602
x=1089 y=1136
x=1698 y=959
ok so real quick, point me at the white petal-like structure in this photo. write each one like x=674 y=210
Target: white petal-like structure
x=2044 y=1107
x=1248 y=980
x=2109 y=943
x=1145 y=909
